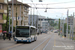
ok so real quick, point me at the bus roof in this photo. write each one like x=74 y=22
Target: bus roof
x=30 y=26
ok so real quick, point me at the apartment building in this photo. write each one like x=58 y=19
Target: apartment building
x=22 y=12
x=3 y=11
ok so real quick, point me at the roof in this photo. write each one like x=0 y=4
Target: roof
x=30 y=26
x=18 y=3
x=15 y=1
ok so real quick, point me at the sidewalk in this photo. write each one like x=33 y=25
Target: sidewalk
x=6 y=43
x=67 y=38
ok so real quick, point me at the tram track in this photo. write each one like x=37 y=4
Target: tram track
x=43 y=45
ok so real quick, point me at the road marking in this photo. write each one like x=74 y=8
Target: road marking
x=47 y=44
x=55 y=40
x=42 y=42
x=62 y=42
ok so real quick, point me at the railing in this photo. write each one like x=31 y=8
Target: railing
x=1 y=10
x=2 y=21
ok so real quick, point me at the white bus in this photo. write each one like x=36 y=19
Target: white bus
x=25 y=34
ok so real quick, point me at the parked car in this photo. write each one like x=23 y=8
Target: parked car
x=56 y=32
x=51 y=30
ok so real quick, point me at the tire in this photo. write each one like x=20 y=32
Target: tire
x=35 y=38
x=31 y=40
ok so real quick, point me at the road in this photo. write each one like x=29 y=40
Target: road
x=49 y=41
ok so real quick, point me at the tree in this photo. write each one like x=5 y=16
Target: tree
x=4 y=25
x=59 y=26
x=65 y=27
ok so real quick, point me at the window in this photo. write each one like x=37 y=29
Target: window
x=9 y=6
x=0 y=6
x=25 y=8
x=5 y=1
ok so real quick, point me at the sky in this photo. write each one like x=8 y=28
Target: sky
x=51 y=13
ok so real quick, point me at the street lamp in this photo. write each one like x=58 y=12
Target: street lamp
x=12 y=17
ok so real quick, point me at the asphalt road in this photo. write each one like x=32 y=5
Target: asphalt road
x=49 y=41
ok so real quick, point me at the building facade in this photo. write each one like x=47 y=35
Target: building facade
x=22 y=12
x=33 y=20
x=3 y=11
x=41 y=22
x=71 y=22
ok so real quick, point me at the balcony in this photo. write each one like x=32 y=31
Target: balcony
x=3 y=1
x=3 y=11
x=2 y=21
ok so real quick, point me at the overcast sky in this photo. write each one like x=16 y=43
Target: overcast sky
x=52 y=13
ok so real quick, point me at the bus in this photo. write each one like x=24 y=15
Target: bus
x=25 y=34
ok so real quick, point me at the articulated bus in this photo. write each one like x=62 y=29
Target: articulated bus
x=25 y=34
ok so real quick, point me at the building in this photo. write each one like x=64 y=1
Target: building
x=3 y=10
x=41 y=22
x=71 y=22
x=44 y=23
x=22 y=12
x=34 y=21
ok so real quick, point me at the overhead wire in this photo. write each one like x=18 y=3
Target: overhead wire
x=35 y=6
x=54 y=8
x=53 y=3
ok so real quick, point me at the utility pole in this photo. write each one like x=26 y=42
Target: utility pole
x=63 y=26
x=7 y=17
x=70 y=31
x=59 y=26
x=9 y=23
x=32 y=13
x=16 y=13
x=73 y=26
x=67 y=24
x=12 y=17
x=31 y=17
x=20 y=16
x=22 y=12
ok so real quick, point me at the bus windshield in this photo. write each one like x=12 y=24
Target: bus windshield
x=22 y=32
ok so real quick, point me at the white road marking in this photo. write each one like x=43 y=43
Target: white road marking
x=62 y=42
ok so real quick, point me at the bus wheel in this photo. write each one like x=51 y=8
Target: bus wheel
x=31 y=40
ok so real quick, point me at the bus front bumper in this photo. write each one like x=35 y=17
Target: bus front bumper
x=23 y=40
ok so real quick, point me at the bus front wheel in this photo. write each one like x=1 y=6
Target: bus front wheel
x=35 y=38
